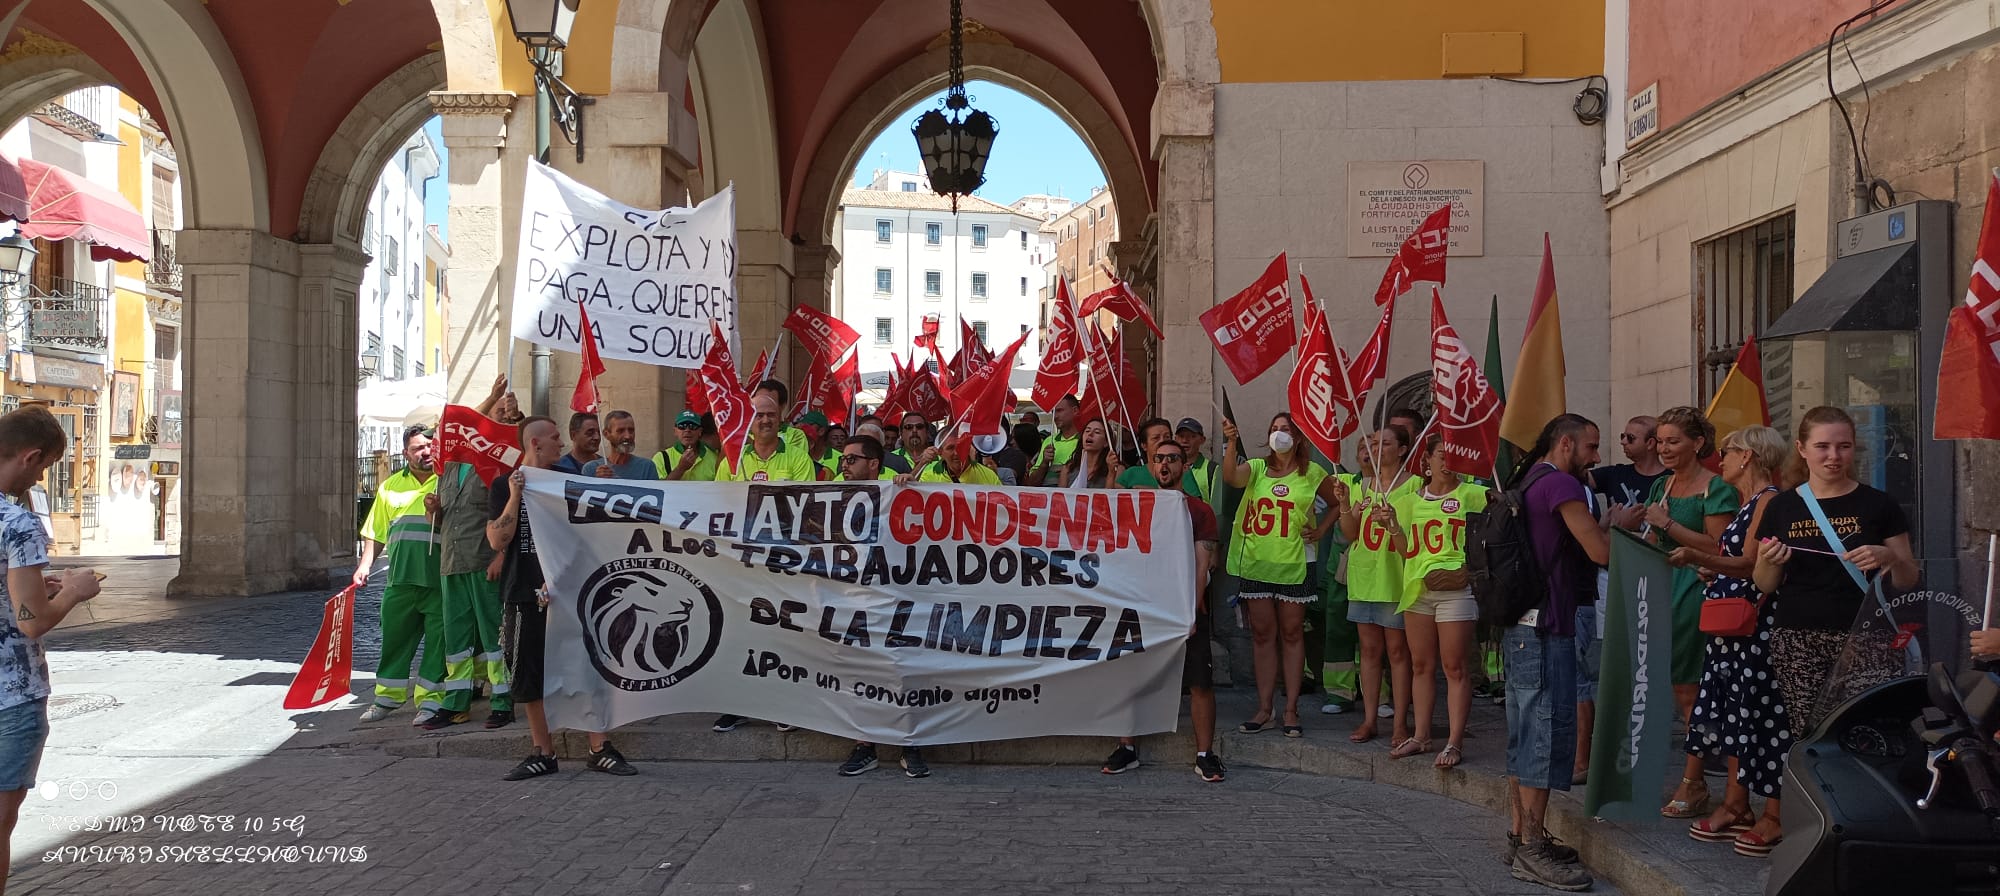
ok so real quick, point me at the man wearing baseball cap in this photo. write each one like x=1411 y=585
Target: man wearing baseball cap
x=690 y=460
x=827 y=456
x=1200 y=468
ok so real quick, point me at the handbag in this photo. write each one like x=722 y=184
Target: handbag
x=1731 y=617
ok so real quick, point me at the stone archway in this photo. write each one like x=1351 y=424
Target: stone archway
x=37 y=69
x=336 y=197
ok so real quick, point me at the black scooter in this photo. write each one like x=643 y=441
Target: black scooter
x=1894 y=793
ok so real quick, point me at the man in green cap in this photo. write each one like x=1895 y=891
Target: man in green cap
x=689 y=460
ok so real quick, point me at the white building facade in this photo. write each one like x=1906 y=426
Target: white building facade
x=392 y=296
x=905 y=257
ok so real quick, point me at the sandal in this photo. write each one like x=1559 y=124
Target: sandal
x=1449 y=757
x=1686 y=808
x=1750 y=844
x=1253 y=726
x=1703 y=830
x=1410 y=747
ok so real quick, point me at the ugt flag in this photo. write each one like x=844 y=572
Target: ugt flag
x=1468 y=410
x=1635 y=692
x=1062 y=357
x=1254 y=328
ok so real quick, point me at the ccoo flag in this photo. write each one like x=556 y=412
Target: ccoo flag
x=1539 y=392
x=1969 y=370
x=1254 y=328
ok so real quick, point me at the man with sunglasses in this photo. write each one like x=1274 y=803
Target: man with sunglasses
x=690 y=460
x=1626 y=485
x=915 y=438
x=1168 y=462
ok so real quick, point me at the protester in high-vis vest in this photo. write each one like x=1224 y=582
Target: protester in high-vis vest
x=1375 y=583
x=690 y=460
x=1267 y=554
x=767 y=457
x=412 y=605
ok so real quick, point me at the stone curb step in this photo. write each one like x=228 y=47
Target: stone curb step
x=1610 y=852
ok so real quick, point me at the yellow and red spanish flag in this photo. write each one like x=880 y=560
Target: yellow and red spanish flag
x=1740 y=401
x=1538 y=393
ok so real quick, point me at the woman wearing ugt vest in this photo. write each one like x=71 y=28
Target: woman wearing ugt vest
x=1375 y=581
x=1427 y=526
x=1688 y=508
x=1268 y=555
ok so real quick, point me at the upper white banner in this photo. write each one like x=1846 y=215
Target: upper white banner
x=652 y=280
x=927 y=614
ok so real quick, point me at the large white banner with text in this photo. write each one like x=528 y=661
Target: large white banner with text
x=651 y=279
x=922 y=614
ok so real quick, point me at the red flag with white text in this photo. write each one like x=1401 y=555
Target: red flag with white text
x=585 y=399
x=1254 y=328
x=1969 y=369
x=1119 y=299
x=972 y=353
x=825 y=337
x=826 y=390
x=979 y=405
x=1320 y=395
x=1421 y=257
x=466 y=436
x=328 y=669
x=1466 y=409
x=1062 y=356
x=1371 y=364
x=727 y=399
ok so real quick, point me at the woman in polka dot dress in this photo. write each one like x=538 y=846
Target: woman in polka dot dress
x=1739 y=712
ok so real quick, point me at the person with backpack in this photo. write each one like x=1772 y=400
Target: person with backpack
x=1375 y=581
x=1689 y=507
x=1530 y=557
x=1427 y=526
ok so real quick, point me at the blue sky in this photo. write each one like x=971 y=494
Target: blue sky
x=1036 y=152
x=439 y=196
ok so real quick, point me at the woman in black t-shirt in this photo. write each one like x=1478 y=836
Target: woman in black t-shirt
x=1816 y=599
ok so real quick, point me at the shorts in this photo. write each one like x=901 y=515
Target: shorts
x=1447 y=606
x=1300 y=593
x=1589 y=651
x=1541 y=707
x=530 y=626
x=24 y=730
x=1366 y=612
x=1198 y=669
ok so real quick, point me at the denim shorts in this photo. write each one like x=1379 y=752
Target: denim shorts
x=1383 y=613
x=1541 y=707
x=24 y=729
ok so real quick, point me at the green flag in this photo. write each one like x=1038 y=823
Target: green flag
x=1635 y=694
x=1505 y=459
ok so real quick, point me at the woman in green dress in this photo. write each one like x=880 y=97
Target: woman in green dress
x=1688 y=508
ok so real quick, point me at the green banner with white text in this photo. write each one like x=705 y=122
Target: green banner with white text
x=1635 y=694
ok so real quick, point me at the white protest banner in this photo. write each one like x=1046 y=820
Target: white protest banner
x=923 y=614
x=653 y=279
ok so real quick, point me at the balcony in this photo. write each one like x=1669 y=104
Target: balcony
x=70 y=316
x=164 y=271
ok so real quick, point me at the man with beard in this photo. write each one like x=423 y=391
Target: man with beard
x=690 y=460
x=586 y=436
x=412 y=605
x=1059 y=448
x=915 y=438
x=620 y=462
x=525 y=592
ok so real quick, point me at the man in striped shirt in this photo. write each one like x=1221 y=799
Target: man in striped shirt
x=412 y=603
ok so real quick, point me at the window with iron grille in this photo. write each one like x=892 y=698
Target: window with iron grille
x=933 y=234
x=1743 y=282
x=885 y=280
x=979 y=330
x=933 y=283
x=882 y=228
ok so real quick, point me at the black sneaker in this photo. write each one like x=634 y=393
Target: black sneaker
x=859 y=762
x=1122 y=760
x=1207 y=765
x=609 y=761
x=444 y=719
x=1565 y=854
x=914 y=765
x=726 y=723
x=535 y=766
x=782 y=727
x=500 y=718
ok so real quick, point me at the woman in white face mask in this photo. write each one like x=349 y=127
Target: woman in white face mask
x=1267 y=553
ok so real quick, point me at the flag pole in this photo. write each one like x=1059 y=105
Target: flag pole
x=1992 y=543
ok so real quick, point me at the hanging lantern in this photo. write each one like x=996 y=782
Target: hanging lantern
x=955 y=147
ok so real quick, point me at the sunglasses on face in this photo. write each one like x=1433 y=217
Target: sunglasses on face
x=687 y=426
x=913 y=427
x=853 y=458
x=1166 y=458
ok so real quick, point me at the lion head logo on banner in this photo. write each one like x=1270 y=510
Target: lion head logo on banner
x=648 y=623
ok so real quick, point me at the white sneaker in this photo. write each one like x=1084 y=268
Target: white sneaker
x=1384 y=711
x=376 y=712
x=423 y=715
x=1332 y=709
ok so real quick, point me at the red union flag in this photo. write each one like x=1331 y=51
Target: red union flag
x=1969 y=369
x=466 y=436
x=827 y=392
x=826 y=337
x=972 y=353
x=726 y=398
x=1321 y=396
x=1057 y=375
x=1372 y=363
x=1468 y=410
x=1114 y=393
x=1254 y=328
x=329 y=666
x=1119 y=299
x=585 y=399
x=1421 y=257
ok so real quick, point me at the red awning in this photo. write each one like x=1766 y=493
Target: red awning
x=64 y=206
x=13 y=192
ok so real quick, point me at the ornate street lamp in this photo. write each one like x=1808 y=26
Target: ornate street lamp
x=955 y=148
x=544 y=27
x=17 y=259
x=371 y=363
